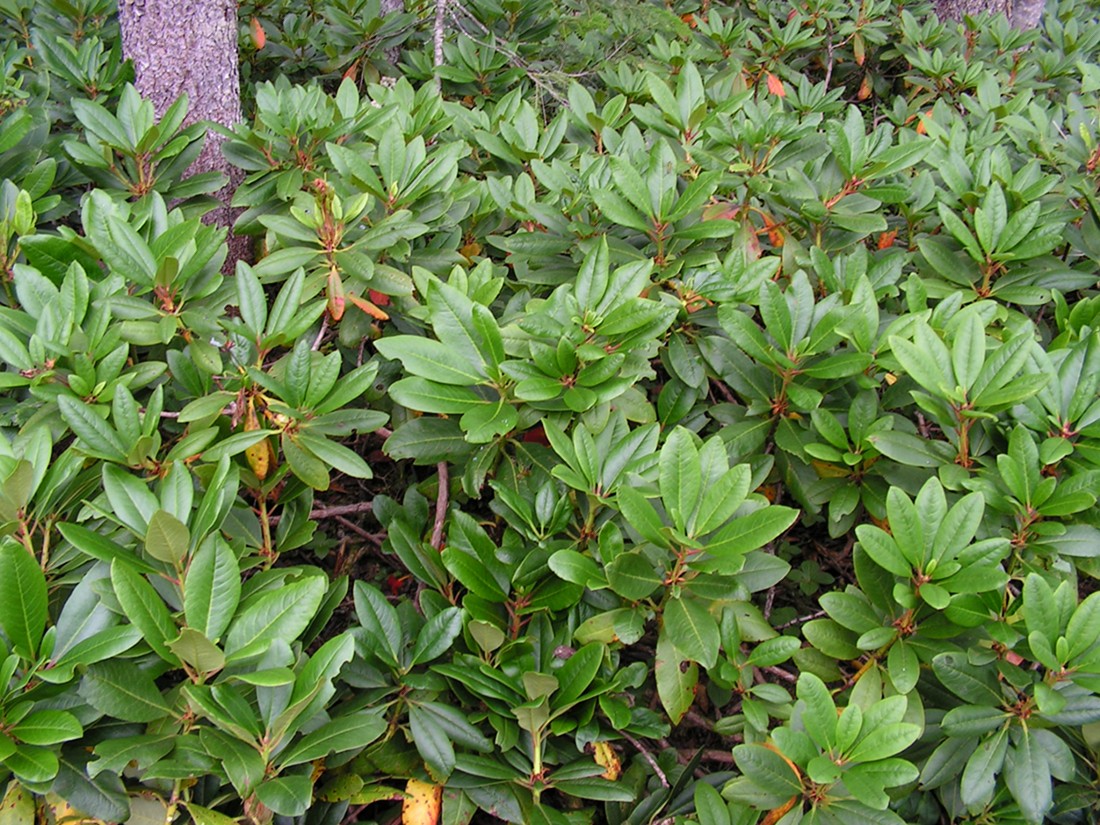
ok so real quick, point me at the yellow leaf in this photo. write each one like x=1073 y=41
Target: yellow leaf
x=422 y=803
x=259 y=454
x=606 y=757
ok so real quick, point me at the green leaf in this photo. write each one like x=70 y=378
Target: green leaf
x=968 y=349
x=745 y=533
x=431 y=359
x=640 y=515
x=472 y=573
x=145 y=609
x=344 y=733
x=281 y=614
x=98 y=437
x=631 y=575
x=379 y=619
x=47 y=727
x=596 y=788
x=979 y=777
x=676 y=678
x=819 y=716
x=428 y=441
x=103 y=549
x=335 y=455
x=930 y=369
x=286 y=795
x=908 y=449
x=304 y=464
x=420 y=394
x=976 y=685
x=577 y=674
x=198 y=651
x=103 y=797
x=681 y=479
x=23 y=599
x=32 y=764
x=119 y=689
x=767 y=769
x=435 y=729
x=883 y=550
x=250 y=298
x=903 y=666
x=167 y=538
x=693 y=630
x=437 y=635
x=884 y=741
x=575 y=567
x=211 y=588
x=1040 y=609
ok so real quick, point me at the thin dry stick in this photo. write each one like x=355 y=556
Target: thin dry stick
x=513 y=58
x=817 y=614
x=441 y=505
x=359 y=531
x=781 y=673
x=331 y=512
x=320 y=334
x=647 y=756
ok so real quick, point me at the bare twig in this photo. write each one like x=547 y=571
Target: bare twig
x=441 y=500
x=781 y=673
x=331 y=512
x=320 y=333
x=517 y=61
x=817 y=614
x=648 y=757
x=696 y=719
x=359 y=531
x=725 y=757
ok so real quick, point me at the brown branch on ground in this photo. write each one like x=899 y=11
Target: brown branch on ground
x=817 y=614
x=441 y=501
x=781 y=673
x=331 y=512
x=373 y=538
x=648 y=757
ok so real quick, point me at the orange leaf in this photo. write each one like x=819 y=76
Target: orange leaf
x=368 y=307
x=422 y=804
x=379 y=298
x=859 y=49
x=336 y=298
x=470 y=251
x=775 y=86
x=775 y=231
x=864 y=88
x=886 y=239
x=780 y=812
x=350 y=72
x=258 y=35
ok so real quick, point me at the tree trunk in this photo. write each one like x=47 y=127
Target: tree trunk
x=1023 y=14
x=190 y=46
x=393 y=54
